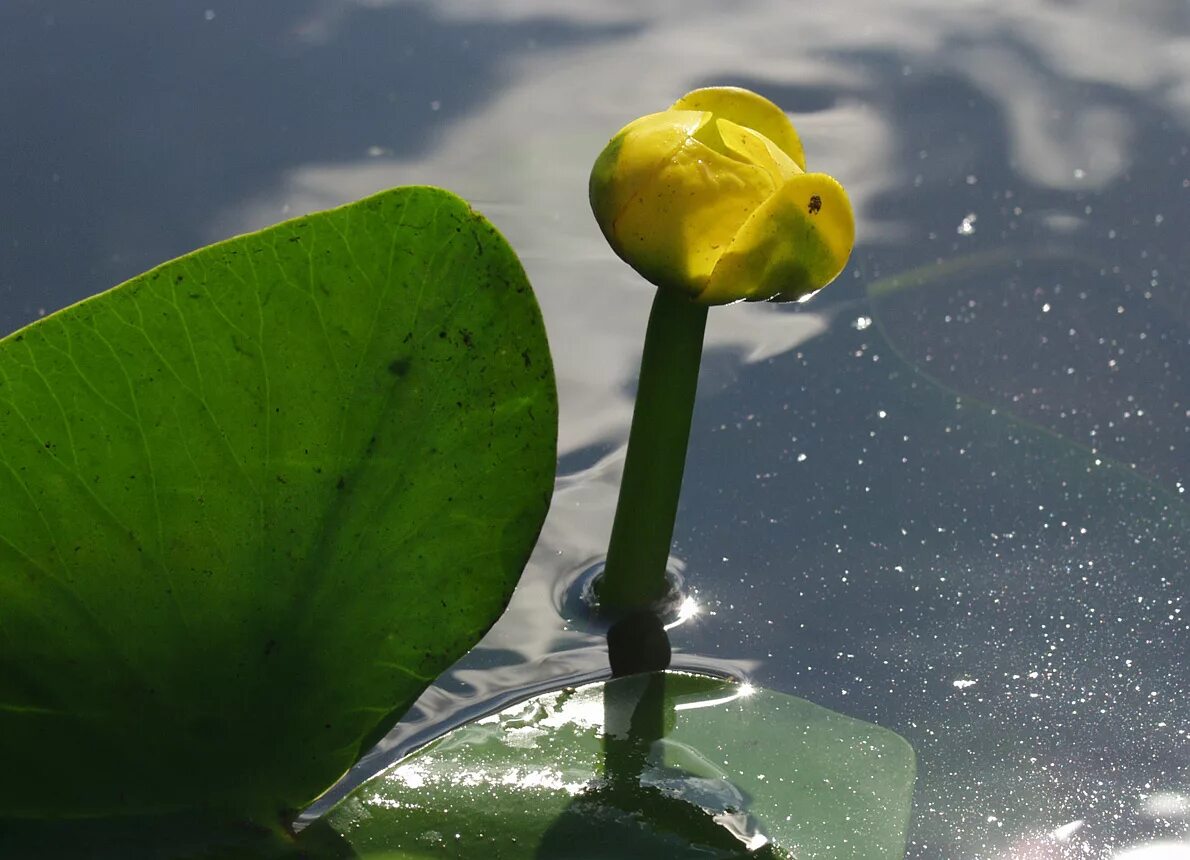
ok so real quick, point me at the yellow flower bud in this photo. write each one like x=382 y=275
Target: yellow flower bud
x=711 y=198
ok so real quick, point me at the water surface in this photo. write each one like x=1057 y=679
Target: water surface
x=947 y=496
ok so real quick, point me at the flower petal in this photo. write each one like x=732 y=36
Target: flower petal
x=793 y=245
x=685 y=216
x=633 y=156
x=754 y=148
x=750 y=110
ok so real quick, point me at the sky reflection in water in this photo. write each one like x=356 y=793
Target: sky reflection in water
x=947 y=496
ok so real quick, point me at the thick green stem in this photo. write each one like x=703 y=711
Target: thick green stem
x=634 y=577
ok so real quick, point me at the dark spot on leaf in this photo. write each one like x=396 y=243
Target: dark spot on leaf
x=399 y=367
x=281 y=479
x=341 y=483
x=815 y=204
x=466 y=336
x=525 y=356
x=179 y=279
x=194 y=295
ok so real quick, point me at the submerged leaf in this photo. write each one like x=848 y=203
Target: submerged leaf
x=664 y=765
x=253 y=501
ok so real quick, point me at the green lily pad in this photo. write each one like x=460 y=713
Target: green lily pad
x=253 y=501
x=663 y=765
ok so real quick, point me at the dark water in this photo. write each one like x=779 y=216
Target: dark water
x=947 y=496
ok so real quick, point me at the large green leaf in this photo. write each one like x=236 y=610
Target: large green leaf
x=253 y=501
x=664 y=765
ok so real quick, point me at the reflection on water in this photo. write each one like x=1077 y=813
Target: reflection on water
x=1156 y=851
x=743 y=691
x=687 y=610
x=947 y=496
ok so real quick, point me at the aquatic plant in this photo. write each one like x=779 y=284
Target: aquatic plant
x=254 y=501
x=710 y=201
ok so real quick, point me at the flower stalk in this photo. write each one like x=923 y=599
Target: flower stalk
x=634 y=576
x=710 y=201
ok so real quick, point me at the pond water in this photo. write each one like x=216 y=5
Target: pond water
x=947 y=496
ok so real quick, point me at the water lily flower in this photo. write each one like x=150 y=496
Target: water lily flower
x=711 y=198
